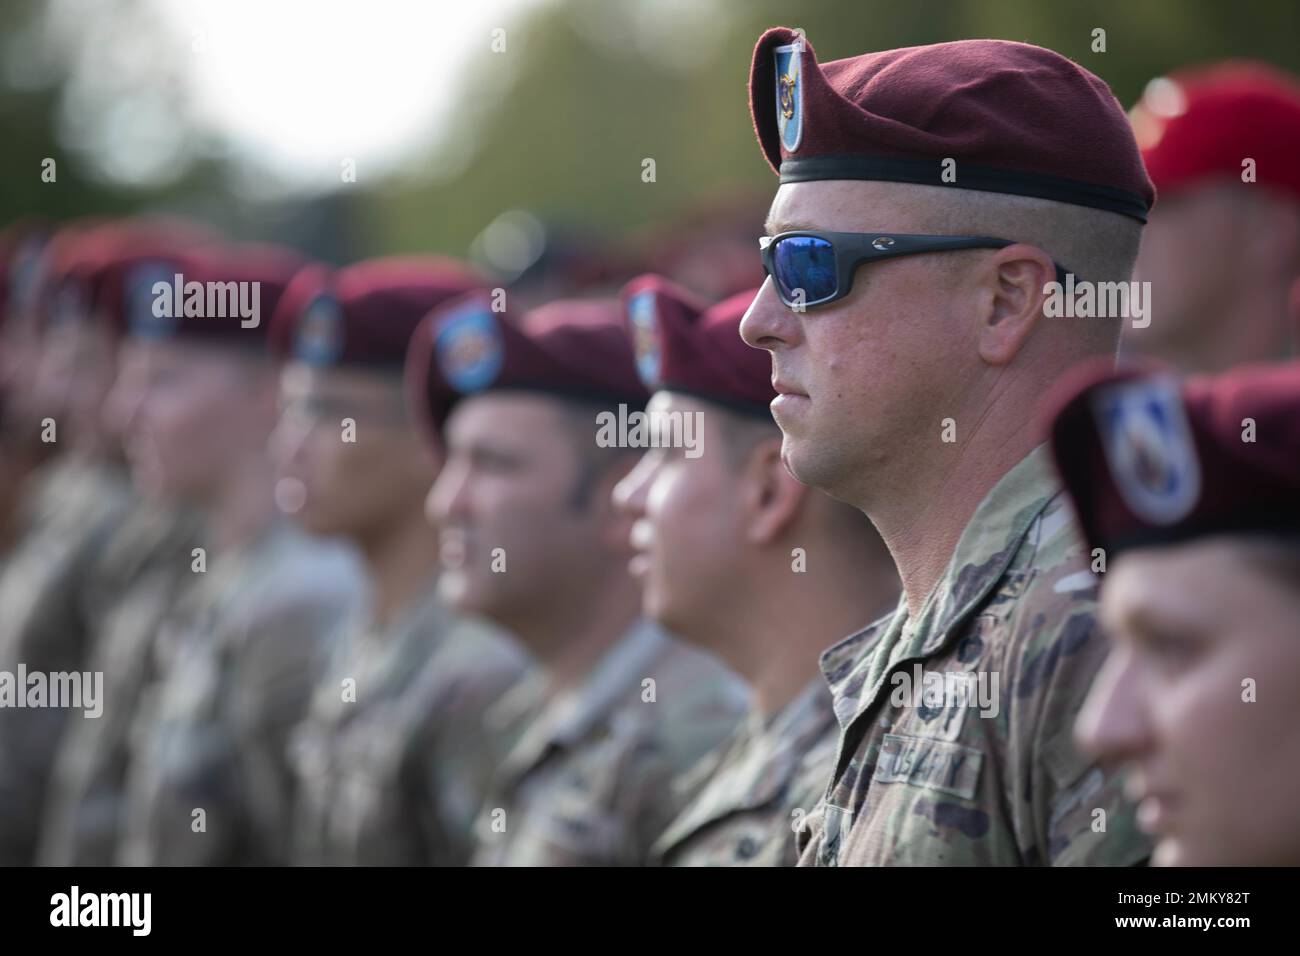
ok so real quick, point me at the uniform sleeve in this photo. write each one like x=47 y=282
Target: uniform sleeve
x=285 y=653
x=453 y=758
x=1065 y=810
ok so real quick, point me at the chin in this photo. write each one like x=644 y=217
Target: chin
x=1167 y=852
x=789 y=455
x=457 y=591
x=796 y=461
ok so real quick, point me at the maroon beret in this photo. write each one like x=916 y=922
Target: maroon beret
x=56 y=290
x=682 y=346
x=1201 y=123
x=364 y=315
x=220 y=294
x=570 y=348
x=1150 y=459
x=1016 y=118
x=85 y=278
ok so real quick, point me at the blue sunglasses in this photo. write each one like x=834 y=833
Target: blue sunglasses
x=816 y=268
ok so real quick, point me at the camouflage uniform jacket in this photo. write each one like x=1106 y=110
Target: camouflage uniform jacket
x=47 y=595
x=589 y=779
x=239 y=659
x=758 y=788
x=148 y=563
x=395 y=775
x=931 y=779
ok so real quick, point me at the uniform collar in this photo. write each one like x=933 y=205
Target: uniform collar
x=617 y=673
x=845 y=666
x=387 y=655
x=757 y=766
x=564 y=719
x=984 y=552
x=987 y=547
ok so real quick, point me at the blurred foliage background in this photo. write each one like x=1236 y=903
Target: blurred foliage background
x=558 y=124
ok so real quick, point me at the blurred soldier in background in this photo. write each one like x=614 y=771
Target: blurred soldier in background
x=709 y=249
x=209 y=780
x=68 y=570
x=740 y=559
x=530 y=539
x=541 y=258
x=21 y=245
x=144 y=566
x=1190 y=493
x=905 y=384
x=1222 y=248
x=391 y=762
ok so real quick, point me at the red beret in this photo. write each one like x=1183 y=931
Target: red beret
x=571 y=348
x=364 y=315
x=85 y=278
x=61 y=257
x=222 y=294
x=709 y=249
x=1201 y=123
x=1150 y=459
x=682 y=346
x=1016 y=118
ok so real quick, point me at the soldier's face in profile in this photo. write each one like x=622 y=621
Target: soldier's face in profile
x=199 y=414
x=686 y=529
x=127 y=390
x=1200 y=700
x=863 y=378
x=343 y=439
x=512 y=536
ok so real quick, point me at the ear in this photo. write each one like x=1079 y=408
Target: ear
x=1012 y=283
x=771 y=498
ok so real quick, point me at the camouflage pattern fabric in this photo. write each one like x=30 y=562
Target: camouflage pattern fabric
x=395 y=775
x=941 y=780
x=589 y=781
x=757 y=789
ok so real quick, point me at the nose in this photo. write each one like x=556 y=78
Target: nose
x=1112 y=725
x=448 y=496
x=768 y=324
x=287 y=442
x=630 y=492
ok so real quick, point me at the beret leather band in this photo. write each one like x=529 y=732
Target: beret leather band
x=928 y=172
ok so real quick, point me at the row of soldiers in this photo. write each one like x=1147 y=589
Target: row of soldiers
x=380 y=567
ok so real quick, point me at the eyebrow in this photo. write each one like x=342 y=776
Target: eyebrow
x=776 y=226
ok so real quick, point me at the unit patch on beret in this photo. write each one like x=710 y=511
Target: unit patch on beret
x=1149 y=448
x=641 y=312
x=470 y=349
x=789 y=94
x=318 y=340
